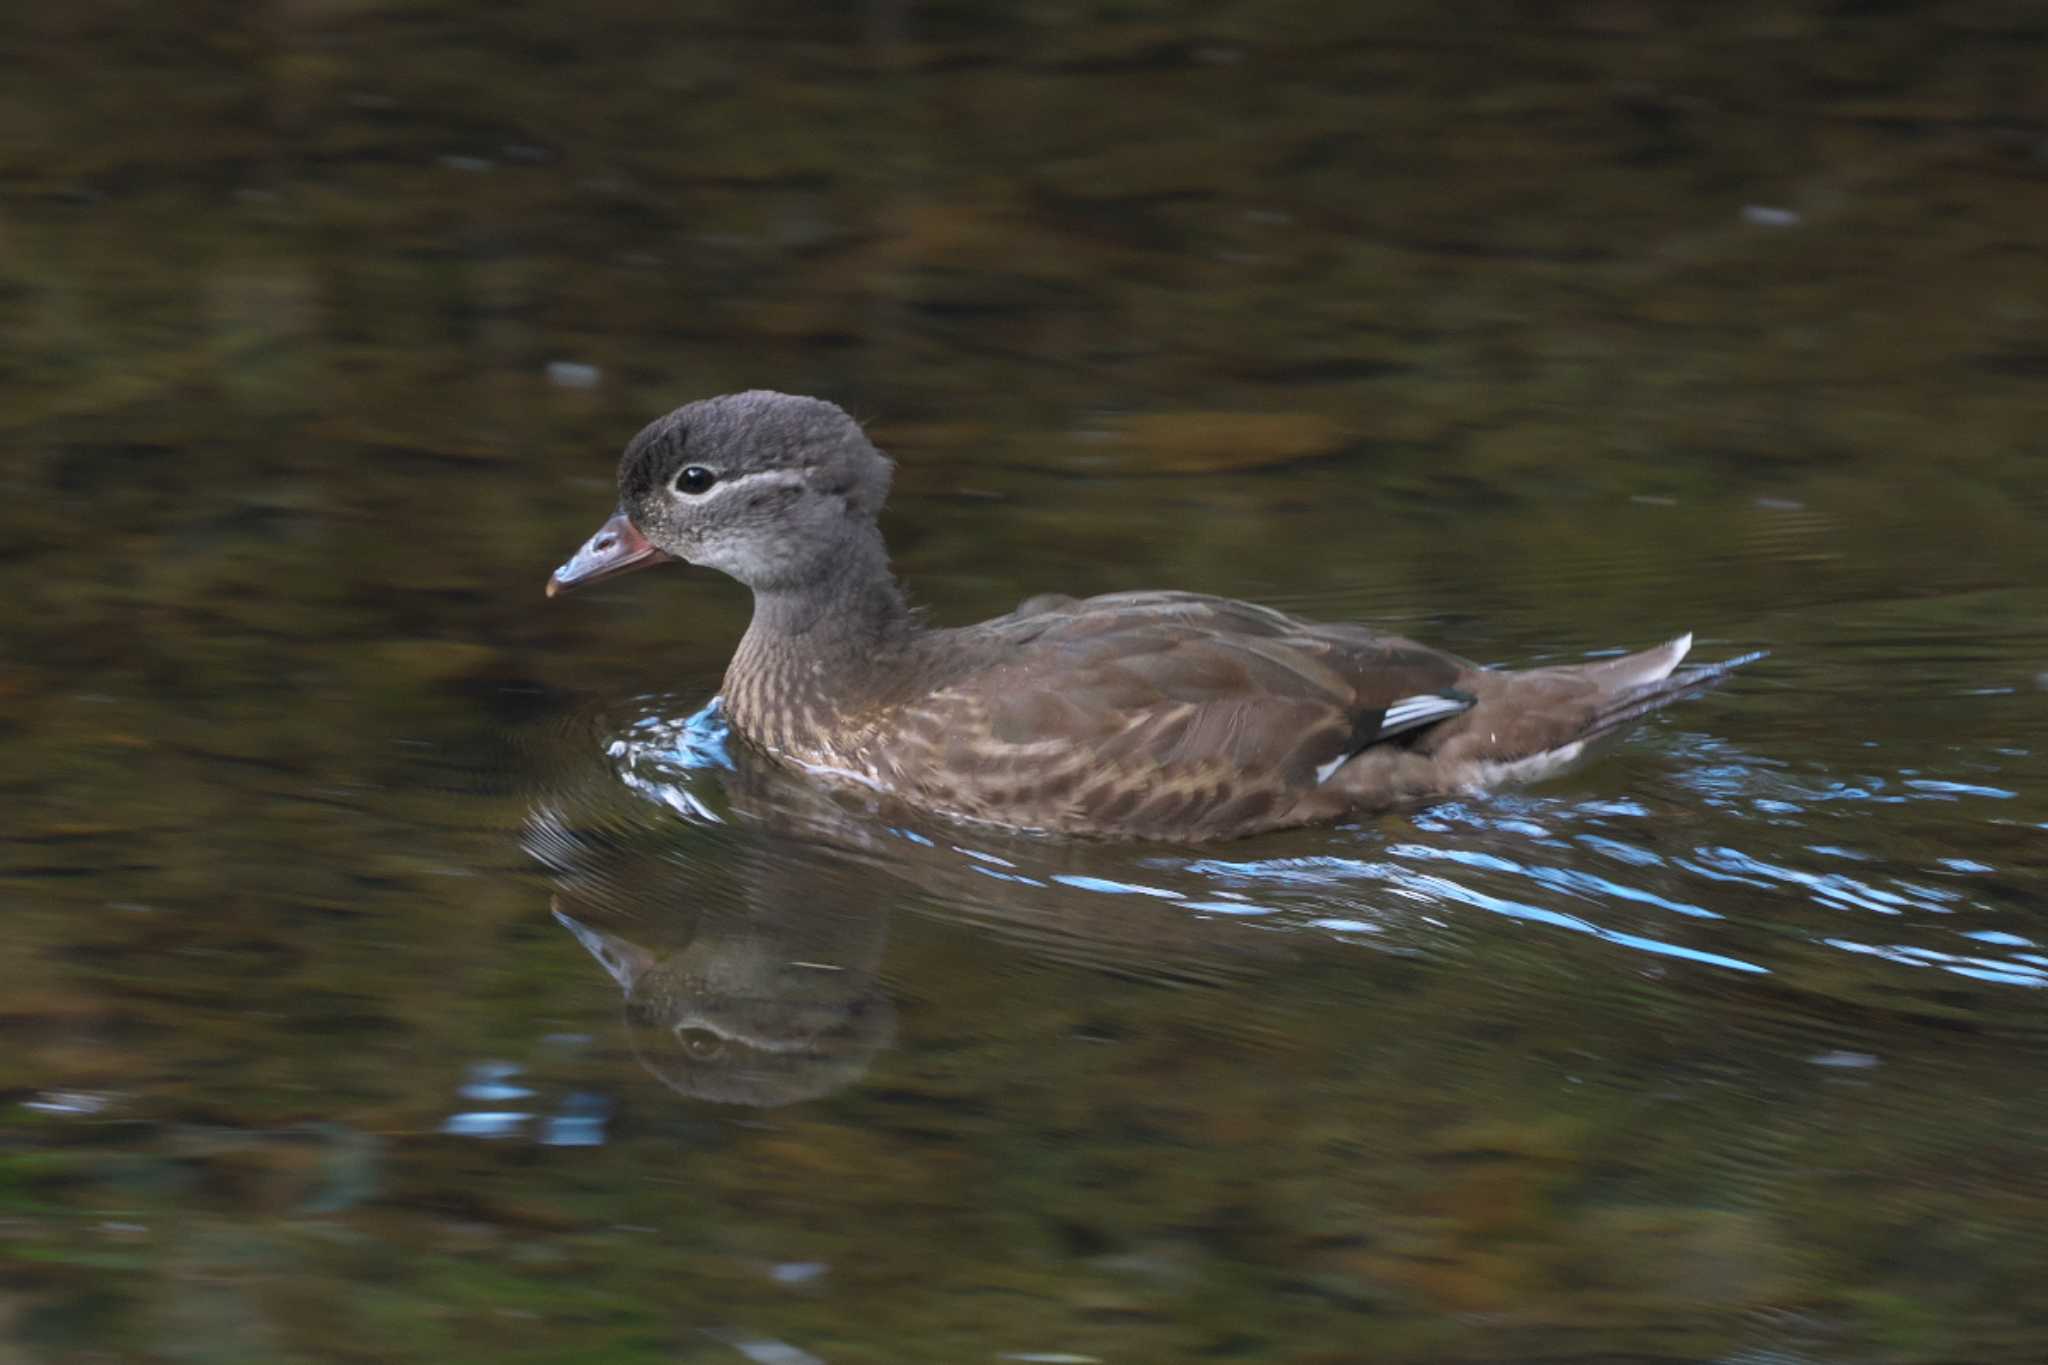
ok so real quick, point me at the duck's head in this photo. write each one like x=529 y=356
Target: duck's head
x=767 y=487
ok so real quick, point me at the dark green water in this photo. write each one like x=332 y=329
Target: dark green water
x=1530 y=330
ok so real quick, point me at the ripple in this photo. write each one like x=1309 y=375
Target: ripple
x=1602 y=868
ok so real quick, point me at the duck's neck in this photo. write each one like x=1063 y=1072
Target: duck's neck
x=821 y=652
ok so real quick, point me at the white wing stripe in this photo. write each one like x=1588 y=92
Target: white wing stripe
x=1410 y=712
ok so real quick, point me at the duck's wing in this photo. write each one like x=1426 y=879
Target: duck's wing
x=1136 y=650
x=1159 y=712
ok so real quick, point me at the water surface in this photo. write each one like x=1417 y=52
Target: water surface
x=401 y=967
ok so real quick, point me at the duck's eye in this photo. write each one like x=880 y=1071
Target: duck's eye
x=695 y=479
x=700 y=1043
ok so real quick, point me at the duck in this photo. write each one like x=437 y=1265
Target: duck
x=1145 y=715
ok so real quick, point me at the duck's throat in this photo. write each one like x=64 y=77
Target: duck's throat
x=819 y=657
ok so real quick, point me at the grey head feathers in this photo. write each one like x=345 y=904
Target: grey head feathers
x=773 y=489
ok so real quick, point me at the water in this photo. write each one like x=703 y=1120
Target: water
x=401 y=966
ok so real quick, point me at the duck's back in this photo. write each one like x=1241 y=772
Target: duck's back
x=1145 y=713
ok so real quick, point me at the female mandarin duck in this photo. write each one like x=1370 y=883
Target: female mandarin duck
x=1165 y=715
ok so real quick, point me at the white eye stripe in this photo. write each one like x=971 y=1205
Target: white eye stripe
x=766 y=478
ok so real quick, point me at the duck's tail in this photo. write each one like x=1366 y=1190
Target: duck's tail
x=1636 y=684
x=1522 y=726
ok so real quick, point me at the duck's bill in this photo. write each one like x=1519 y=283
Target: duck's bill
x=618 y=547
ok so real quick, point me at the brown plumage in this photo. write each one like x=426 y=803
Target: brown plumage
x=1144 y=714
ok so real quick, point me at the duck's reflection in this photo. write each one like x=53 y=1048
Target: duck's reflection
x=752 y=1011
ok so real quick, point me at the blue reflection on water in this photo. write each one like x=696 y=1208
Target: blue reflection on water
x=1115 y=888
x=493 y=1081
x=1444 y=889
x=579 y=1120
x=1953 y=790
x=579 y=1124
x=486 y=1123
x=1564 y=878
x=696 y=744
x=1978 y=968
